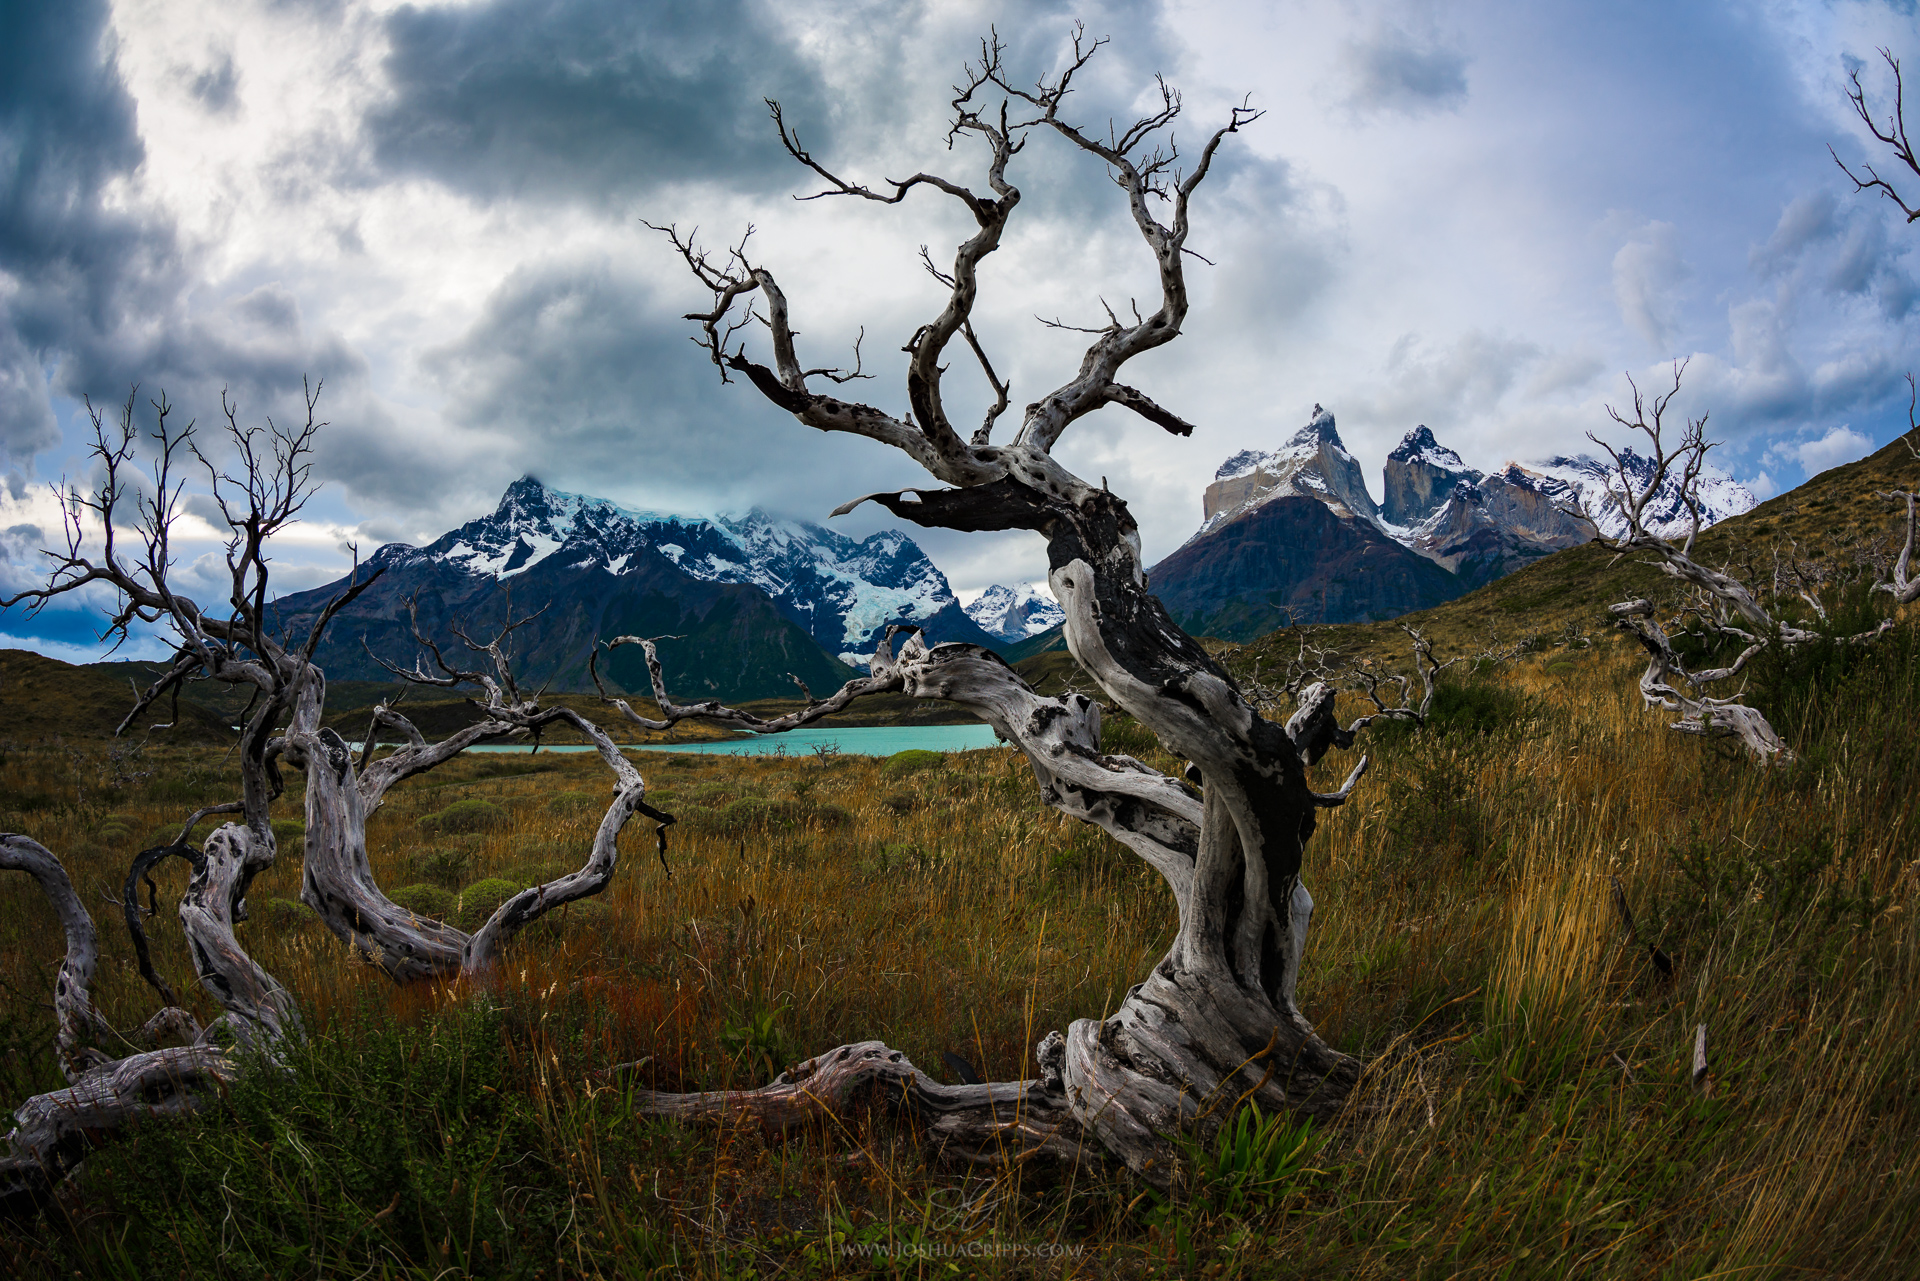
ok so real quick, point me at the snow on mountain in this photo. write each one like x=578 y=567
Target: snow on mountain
x=1015 y=613
x=1314 y=463
x=1585 y=483
x=1475 y=525
x=1418 y=476
x=842 y=591
x=1419 y=446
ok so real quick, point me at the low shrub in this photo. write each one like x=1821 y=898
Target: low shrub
x=482 y=899
x=425 y=900
x=471 y=815
x=445 y=866
x=282 y=913
x=754 y=814
x=912 y=761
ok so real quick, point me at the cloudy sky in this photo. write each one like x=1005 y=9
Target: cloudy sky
x=1476 y=216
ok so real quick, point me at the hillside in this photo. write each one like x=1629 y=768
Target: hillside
x=1288 y=557
x=43 y=698
x=1833 y=517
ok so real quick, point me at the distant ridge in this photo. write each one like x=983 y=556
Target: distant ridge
x=1260 y=559
x=746 y=600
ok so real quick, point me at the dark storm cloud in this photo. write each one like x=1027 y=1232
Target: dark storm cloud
x=595 y=99
x=593 y=381
x=66 y=130
x=101 y=296
x=551 y=99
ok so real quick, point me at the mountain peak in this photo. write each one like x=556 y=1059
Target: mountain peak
x=1419 y=475
x=1314 y=463
x=1319 y=429
x=1015 y=613
x=1419 y=445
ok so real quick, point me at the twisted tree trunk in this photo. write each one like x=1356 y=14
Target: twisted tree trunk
x=1215 y=1023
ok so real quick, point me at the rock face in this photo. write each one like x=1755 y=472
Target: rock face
x=1014 y=614
x=1294 y=533
x=1294 y=559
x=1584 y=482
x=1487 y=530
x=1313 y=464
x=1419 y=475
x=751 y=599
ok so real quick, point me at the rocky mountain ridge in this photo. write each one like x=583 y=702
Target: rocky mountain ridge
x=745 y=601
x=840 y=591
x=1015 y=614
x=1471 y=525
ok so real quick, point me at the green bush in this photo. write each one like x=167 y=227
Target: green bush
x=538 y=873
x=912 y=761
x=569 y=802
x=425 y=900
x=586 y=914
x=896 y=859
x=471 y=815
x=166 y=832
x=482 y=899
x=1479 y=705
x=282 y=913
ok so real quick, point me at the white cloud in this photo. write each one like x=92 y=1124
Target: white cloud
x=434 y=207
x=1763 y=486
x=138 y=649
x=1840 y=445
x=1647 y=274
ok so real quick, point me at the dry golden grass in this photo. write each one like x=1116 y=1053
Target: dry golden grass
x=1528 y=1111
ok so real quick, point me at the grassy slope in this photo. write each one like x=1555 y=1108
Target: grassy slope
x=44 y=698
x=1830 y=516
x=1529 y=1113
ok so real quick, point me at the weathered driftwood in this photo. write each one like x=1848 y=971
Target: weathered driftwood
x=1215 y=1021
x=982 y=1124
x=53 y=1132
x=237 y=644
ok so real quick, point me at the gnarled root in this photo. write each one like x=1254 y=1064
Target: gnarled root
x=999 y=1124
x=53 y=1132
x=1174 y=1061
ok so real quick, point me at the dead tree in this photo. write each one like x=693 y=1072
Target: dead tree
x=236 y=644
x=1717 y=606
x=1892 y=134
x=1315 y=675
x=1215 y=1021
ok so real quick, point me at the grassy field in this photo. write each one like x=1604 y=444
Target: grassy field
x=1529 y=1110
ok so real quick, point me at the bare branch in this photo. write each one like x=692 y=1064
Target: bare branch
x=1893 y=134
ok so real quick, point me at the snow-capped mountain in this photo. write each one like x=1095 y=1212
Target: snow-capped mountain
x=741 y=605
x=1313 y=464
x=1585 y=483
x=842 y=592
x=1244 y=562
x=1419 y=475
x=1015 y=613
